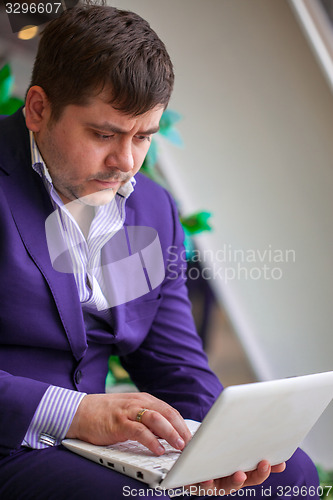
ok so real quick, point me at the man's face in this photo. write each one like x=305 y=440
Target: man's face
x=92 y=150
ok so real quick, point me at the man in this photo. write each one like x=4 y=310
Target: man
x=69 y=203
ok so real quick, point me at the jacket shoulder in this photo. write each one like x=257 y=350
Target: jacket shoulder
x=151 y=192
x=14 y=141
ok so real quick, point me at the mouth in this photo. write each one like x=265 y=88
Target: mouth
x=108 y=184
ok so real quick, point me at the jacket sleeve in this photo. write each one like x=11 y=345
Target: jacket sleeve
x=19 y=395
x=171 y=363
x=19 y=399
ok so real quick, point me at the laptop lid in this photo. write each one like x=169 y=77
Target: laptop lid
x=252 y=422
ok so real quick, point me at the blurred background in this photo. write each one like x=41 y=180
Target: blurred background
x=254 y=89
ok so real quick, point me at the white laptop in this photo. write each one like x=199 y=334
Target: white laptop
x=247 y=423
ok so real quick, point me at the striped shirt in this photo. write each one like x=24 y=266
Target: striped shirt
x=85 y=253
x=58 y=406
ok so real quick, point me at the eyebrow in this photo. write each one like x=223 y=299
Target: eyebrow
x=109 y=127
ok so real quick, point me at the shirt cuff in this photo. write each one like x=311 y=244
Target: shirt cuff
x=52 y=418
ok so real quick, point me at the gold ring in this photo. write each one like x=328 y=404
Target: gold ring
x=140 y=414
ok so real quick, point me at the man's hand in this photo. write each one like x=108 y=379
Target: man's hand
x=229 y=484
x=105 y=419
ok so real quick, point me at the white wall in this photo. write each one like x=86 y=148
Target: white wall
x=257 y=126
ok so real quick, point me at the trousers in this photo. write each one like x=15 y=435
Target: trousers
x=55 y=473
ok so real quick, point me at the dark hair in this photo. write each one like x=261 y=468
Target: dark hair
x=90 y=48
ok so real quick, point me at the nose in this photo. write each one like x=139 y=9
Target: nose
x=121 y=156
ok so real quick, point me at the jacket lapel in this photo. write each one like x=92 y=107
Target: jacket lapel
x=30 y=205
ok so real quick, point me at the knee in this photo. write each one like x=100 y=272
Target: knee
x=303 y=471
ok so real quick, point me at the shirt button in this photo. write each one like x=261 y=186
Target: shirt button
x=78 y=377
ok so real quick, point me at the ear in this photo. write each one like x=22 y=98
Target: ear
x=37 y=109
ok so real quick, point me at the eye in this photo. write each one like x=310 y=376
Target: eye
x=102 y=137
x=142 y=138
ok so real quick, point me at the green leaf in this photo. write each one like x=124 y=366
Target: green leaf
x=168 y=119
x=151 y=157
x=197 y=222
x=6 y=83
x=118 y=372
x=10 y=106
x=173 y=136
x=5 y=72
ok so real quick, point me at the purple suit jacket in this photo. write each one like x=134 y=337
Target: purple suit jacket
x=42 y=332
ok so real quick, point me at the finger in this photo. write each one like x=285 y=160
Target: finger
x=162 y=428
x=259 y=475
x=176 y=420
x=200 y=489
x=238 y=479
x=279 y=467
x=167 y=411
x=139 y=432
x=231 y=483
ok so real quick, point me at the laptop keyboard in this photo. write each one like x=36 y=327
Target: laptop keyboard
x=134 y=453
